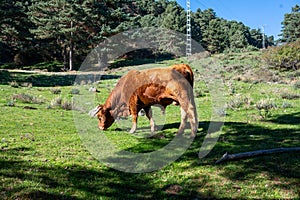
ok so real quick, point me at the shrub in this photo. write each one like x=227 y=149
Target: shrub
x=199 y=93
x=284 y=57
x=265 y=106
x=63 y=103
x=238 y=102
x=27 y=57
x=27 y=98
x=55 y=90
x=8 y=66
x=14 y=84
x=296 y=85
x=67 y=105
x=287 y=105
x=52 y=66
x=235 y=103
x=56 y=102
x=26 y=84
x=251 y=48
x=289 y=96
x=75 y=91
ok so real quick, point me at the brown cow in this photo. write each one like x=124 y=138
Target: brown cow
x=141 y=89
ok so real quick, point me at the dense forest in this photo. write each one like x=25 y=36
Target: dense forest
x=34 y=31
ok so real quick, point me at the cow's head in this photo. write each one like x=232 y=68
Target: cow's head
x=104 y=116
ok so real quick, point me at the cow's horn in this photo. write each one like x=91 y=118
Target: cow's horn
x=94 y=112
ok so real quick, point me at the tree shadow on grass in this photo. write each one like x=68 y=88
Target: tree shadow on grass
x=48 y=179
x=73 y=181
x=51 y=80
x=238 y=138
x=242 y=137
x=292 y=119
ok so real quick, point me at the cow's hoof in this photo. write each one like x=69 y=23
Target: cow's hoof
x=153 y=130
x=132 y=131
x=179 y=132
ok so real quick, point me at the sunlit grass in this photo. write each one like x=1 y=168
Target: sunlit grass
x=42 y=155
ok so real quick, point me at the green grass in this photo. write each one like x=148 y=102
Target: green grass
x=43 y=157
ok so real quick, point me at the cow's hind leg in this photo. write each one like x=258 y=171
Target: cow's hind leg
x=183 y=121
x=192 y=115
x=193 y=118
x=148 y=111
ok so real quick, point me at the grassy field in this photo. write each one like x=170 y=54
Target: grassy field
x=42 y=156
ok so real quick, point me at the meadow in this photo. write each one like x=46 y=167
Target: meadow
x=42 y=155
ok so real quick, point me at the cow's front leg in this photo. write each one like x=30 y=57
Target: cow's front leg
x=134 y=114
x=133 y=108
x=148 y=111
x=134 y=123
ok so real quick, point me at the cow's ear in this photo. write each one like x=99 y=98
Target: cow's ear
x=94 y=111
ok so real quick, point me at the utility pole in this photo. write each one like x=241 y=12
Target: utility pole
x=188 y=29
x=263 y=35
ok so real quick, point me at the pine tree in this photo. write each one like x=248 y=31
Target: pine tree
x=215 y=36
x=238 y=35
x=202 y=20
x=14 y=25
x=174 y=18
x=77 y=24
x=291 y=25
x=54 y=22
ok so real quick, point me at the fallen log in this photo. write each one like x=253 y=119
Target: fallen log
x=251 y=154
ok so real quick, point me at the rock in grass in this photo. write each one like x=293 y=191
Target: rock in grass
x=10 y=103
x=93 y=89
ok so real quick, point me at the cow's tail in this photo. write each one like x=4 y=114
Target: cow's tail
x=190 y=75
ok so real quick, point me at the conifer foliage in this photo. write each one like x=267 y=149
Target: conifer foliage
x=291 y=25
x=66 y=31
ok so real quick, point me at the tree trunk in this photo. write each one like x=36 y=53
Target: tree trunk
x=71 y=50
x=71 y=58
x=65 y=57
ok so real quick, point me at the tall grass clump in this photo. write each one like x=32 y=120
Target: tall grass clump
x=55 y=90
x=56 y=102
x=296 y=85
x=75 y=91
x=67 y=105
x=14 y=84
x=63 y=103
x=238 y=102
x=289 y=96
x=286 y=104
x=27 y=98
x=264 y=107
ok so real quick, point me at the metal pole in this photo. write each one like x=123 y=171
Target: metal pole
x=263 y=35
x=188 y=29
